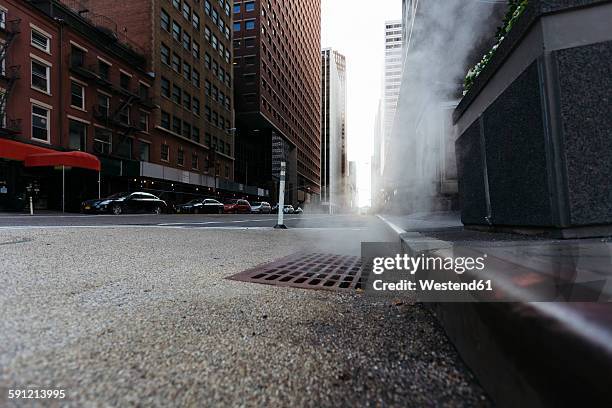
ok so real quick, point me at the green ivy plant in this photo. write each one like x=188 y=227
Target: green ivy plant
x=514 y=12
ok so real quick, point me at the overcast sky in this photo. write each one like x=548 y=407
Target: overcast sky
x=356 y=29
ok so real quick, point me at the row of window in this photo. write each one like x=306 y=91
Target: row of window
x=184 y=128
x=195 y=160
x=182 y=67
x=248 y=7
x=183 y=37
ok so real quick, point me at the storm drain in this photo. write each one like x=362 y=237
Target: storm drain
x=308 y=271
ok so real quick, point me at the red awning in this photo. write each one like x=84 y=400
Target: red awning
x=81 y=160
x=35 y=156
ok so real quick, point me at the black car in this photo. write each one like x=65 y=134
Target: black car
x=126 y=203
x=201 y=206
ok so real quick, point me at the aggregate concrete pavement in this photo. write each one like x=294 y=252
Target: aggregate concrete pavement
x=144 y=317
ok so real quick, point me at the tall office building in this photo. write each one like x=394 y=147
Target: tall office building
x=392 y=79
x=188 y=47
x=277 y=46
x=377 y=158
x=334 y=163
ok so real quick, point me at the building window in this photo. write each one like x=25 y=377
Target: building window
x=195 y=76
x=207 y=87
x=196 y=106
x=41 y=41
x=207 y=139
x=227 y=171
x=165 y=120
x=195 y=134
x=143 y=91
x=196 y=50
x=249 y=6
x=176 y=4
x=194 y=161
x=2 y=18
x=165 y=87
x=165 y=54
x=207 y=60
x=180 y=157
x=195 y=20
x=207 y=33
x=187 y=71
x=40 y=123
x=249 y=25
x=125 y=115
x=165 y=152
x=236 y=8
x=176 y=63
x=177 y=93
x=41 y=77
x=207 y=7
x=144 y=154
x=186 y=41
x=103 y=70
x=77 y=95
x=102 y=141
x=215 y=42
x=77 y=132
x=177 y=125
x=208 y=113
x=103 y=105
x=143 y=123
x=187 y=100
x=77 y=57
x=186 y=11
x=165 y=20
x=124 y=81
x=186 y=130
x=124 y=147
x=237 y=26
x=176 y=31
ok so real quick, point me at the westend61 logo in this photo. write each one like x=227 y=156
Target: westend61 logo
x=425 y=275
x=411 y=265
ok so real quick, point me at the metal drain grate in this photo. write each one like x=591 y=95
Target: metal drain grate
x=308 y=271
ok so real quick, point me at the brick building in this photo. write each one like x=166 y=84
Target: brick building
x=68 y=85
x=278 y=99
x=73 y=79
x=188 y=45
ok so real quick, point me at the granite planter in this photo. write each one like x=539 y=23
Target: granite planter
x=535 y=145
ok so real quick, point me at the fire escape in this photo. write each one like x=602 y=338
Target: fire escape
x=8 y=78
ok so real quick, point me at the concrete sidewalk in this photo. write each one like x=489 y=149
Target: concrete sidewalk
x=135 y=317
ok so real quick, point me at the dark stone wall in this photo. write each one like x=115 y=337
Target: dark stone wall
x=585 y=99
x=471 y=176
x=516 y=154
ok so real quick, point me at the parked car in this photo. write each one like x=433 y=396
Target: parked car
x=120 y=203
x=298 y=210
x=288 y=209
x=201 y=206
x=261 y=207
x=237 y=207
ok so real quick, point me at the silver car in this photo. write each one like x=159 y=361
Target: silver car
x=261 y=207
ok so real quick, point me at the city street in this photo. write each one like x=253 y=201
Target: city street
x=136 y=310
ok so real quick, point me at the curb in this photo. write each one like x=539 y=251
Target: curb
x=523 y=353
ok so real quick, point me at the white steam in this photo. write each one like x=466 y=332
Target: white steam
x=421 y=169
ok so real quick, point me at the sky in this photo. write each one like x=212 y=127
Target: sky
x=355 y=28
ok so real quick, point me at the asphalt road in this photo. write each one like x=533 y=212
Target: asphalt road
x=137 y=311
x=187 y=221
